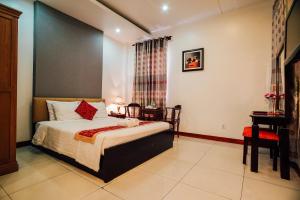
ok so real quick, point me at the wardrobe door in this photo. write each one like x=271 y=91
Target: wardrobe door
x=8 y=88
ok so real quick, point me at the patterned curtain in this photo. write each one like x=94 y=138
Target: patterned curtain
x=150 y=80
x=294 y=107
x=278 y=35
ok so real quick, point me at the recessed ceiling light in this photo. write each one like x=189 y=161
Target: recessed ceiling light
x=118 y=30
x=165 y=7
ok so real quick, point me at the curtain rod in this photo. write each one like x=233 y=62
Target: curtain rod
x=167 y=37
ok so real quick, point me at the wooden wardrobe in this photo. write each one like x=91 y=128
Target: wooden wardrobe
x=8 y=88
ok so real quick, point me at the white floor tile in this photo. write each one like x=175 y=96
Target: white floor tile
x=183 y=139
x=266 y=173
x=64 y=187
x=209 y=170
x=182 y=191
x=199 y=146
x=259 y=190
x=185 y=154
x=99 y=182
x=100 y=194
x=2 y=193
x=215 y=181
x=30 y=175
x=140 y=185
x=28 y=156
x=226 y=144
x=167 y=167
x=5 y=198
x=224 y=158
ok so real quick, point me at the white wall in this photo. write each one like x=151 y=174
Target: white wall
x=218 y=100
x=25 y=66
x=114 y=69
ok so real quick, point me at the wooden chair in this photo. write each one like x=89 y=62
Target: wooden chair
x=133 y=110
x=174 y=118
x=267 y=138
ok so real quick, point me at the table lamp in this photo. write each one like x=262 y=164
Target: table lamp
x=119 y=101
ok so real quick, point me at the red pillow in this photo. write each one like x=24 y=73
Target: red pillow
x=86 y=110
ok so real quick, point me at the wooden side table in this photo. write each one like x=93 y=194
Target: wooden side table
x=117 y=115
x=153 y=114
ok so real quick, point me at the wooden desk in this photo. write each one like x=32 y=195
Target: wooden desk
x=275 y=121
x=153 y=114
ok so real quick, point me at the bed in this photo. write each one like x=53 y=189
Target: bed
x=113 y=153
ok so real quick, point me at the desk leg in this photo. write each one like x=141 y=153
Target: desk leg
x=254 y=148
x=284 y=145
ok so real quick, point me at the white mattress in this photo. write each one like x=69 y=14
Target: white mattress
x=59 y=136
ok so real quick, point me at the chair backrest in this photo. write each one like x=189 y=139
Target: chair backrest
x=133 y=110
x=175 y=112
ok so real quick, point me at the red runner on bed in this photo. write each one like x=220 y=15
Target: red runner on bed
x=89 y=136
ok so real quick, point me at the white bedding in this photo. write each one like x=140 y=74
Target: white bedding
x=59 y=137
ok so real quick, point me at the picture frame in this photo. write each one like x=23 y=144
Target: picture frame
x=288 y=4
x=193 y=60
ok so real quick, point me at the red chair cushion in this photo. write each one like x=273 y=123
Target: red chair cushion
x=263 y=134
x=86 y=110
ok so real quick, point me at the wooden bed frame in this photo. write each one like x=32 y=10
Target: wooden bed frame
x=117 y=159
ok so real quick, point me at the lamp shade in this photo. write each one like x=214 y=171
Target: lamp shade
x=119 y=100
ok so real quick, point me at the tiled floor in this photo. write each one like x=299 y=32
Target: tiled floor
x=194 y=169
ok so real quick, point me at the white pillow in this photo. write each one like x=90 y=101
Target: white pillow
x=51 y=109
x=66 y=110
x=101 y=109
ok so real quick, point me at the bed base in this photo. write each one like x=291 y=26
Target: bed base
x=121 y=158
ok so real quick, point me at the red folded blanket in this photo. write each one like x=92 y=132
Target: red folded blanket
x=89 y=136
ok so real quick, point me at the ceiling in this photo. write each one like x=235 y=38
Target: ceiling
x=149 y=13
x=145 y=13
x=95 y=14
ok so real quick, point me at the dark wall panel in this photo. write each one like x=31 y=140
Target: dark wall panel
x=68 y=55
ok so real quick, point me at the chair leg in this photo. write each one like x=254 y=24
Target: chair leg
x=178 y=128
x=275 y=156
x=271 y=152
x=245 y=152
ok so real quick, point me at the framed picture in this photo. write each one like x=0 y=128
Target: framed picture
x=193 y=60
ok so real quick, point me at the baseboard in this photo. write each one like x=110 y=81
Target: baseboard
x=23 y=144
x=296 y=167
x=210 y=137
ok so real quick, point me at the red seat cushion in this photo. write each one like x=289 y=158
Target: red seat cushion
x=86 y=110
x=263 y=134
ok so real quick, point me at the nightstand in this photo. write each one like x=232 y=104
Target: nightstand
x=117 y=115
x=152 y=114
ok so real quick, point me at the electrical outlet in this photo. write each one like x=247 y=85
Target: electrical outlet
x=223 y=126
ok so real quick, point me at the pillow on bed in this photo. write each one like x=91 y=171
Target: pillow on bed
x=101 y=113
x=51 y=110
x=66 y=110
x=86 y=110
